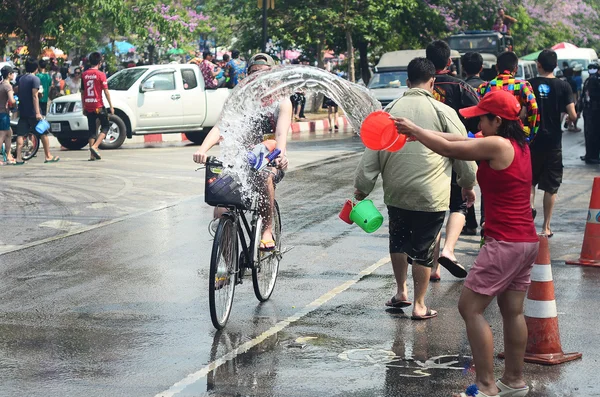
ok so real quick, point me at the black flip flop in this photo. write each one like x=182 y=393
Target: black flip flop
x=455 y=268
x=95 y=154
x=429 y=314
x=398 y=303
x=434 y=279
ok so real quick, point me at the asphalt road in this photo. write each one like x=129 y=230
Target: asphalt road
x=104 y=290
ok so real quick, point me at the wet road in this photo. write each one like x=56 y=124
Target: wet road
x=104 y=288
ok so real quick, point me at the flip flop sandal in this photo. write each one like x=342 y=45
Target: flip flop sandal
x=397 y=303
x=507 y=391
x=434 y=279
x=473 y=391
x=265 y=248
x=19 y=162
x=455 y=268
x=429 y=314
x=91 y=160
x=96 y=154
x=52 y=160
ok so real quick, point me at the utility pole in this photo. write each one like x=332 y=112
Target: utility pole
x=265 y=3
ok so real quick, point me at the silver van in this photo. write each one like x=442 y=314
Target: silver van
x=389 y=78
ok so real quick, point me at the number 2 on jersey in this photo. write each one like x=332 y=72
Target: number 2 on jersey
x=90 y=88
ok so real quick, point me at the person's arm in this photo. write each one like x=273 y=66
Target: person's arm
x=367 y=172
x=36 y=103
x=211 y=140
x=532 y=107
x=570 y=108
x=468 y=149
x=11 y=98
x=284 y=121
x=510 y=19
x=106 y=92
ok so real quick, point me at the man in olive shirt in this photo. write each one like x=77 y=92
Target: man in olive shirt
x=416 y=185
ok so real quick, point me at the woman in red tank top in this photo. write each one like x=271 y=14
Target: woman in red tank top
x=504 y=264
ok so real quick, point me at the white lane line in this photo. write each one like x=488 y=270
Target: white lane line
x=12 y=248
x=196 y=376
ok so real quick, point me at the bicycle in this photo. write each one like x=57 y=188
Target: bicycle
x=227 y=264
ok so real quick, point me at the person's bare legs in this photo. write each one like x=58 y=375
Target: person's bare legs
x=329 y=113
x=515 y=337
x=456 y=222
x=266 y=211
x=532 y=197
x=471 y=306
x=336 y=117
x=436 y=271
x=99 y=140
x=5 y=138
x=46 y=144
x=549 y=200
x=421 y=276
x=91 y=145
x=400 y=268
x=19 y=149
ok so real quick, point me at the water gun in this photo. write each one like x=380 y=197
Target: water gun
x=477 y=135
x=262 y=154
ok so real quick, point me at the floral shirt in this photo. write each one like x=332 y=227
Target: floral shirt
x=207 y=67
x=522 y=90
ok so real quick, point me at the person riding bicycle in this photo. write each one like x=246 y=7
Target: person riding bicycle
x=268 y=127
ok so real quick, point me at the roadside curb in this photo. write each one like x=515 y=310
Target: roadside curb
x=297 y=129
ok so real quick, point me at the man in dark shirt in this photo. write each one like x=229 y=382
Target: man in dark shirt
x=590 y=104
x=554 y=97
x=29 y=111
x=457 y=94
x=472 y=63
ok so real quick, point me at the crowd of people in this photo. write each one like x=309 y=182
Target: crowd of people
x=520 y=149
x=41 y=83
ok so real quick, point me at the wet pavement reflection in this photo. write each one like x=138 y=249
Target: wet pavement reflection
x=122 y=309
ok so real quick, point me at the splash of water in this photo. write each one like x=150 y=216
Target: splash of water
x=258 y=96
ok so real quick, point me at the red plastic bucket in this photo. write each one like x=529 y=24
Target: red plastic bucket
x=345 y=212
x=379 y=132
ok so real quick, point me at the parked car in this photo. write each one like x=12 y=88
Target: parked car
x=147 y=100
x=389 y=80
x=527 y=70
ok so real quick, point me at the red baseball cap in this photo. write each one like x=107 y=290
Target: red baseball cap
x=500 y=103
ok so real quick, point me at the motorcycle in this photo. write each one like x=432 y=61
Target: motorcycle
x=31 y=145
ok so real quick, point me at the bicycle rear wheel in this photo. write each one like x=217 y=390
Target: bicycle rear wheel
x=223 y=271
x=266 y=266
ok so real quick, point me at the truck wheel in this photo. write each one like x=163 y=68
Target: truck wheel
x=73 y=143
x=117 y=132
x=197 y=137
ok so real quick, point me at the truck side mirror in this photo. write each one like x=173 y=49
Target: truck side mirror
x=147 y=86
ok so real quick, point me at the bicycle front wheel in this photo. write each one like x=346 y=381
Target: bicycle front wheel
x=223 y=271
x=266 y=266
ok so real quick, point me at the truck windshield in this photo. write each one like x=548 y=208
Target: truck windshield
x=474 y=43
x=388 y=80
x=123 y=80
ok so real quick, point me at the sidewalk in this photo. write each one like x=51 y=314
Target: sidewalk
x=312 y=123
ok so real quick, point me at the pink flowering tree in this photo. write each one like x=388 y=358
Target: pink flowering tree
x=168 y=26
x=541 y=23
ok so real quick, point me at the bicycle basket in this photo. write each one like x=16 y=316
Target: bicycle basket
x=223 y=189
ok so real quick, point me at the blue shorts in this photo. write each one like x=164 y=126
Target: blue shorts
x=4 y=122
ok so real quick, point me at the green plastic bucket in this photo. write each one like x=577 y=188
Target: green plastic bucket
x=365 y=215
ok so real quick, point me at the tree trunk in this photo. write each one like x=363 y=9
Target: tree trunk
x=365 y=73
x=34 y=45
x=320 y=44
x=350 y=46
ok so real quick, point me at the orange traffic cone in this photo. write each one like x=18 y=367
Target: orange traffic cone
x=543 y=339
x=590 y=250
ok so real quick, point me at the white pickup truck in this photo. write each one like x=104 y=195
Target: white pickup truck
x=147 y=100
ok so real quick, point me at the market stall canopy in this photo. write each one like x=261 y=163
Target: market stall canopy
x=122 y=47
x=531 y=57
x=564 y=46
